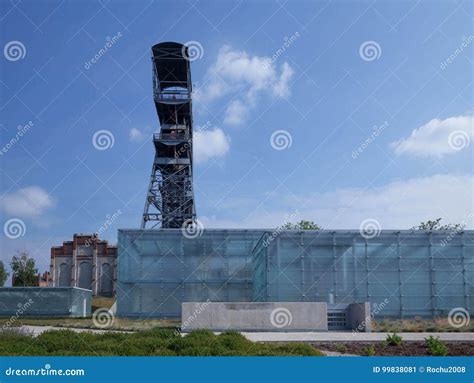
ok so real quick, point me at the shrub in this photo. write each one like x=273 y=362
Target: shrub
x=161 y=342
x=342 y=348
x=368 y=351
x=16 y=341
x=14 y=332
x=436 y=346
x=298 y=349
x=61 y=340
x=393 y=340
x=197 y=343
x=233 y=341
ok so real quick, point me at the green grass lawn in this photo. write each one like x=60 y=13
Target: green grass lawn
x=99 y=302
x=155 y=342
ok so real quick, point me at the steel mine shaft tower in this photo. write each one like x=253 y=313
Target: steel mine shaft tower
x=170 y=198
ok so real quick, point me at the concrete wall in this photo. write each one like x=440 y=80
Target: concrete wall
x=16 y=302
x=255 y=316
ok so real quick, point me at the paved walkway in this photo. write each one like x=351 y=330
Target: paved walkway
x=350 y=337
x=37 y=330
x=303 y=336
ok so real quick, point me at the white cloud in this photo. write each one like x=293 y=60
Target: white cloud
x=28 y=202
x=245 y=78
x=438 y=138
x=397 y=205
x=137 y=135
x=281 y=88
x=236 y=113
x=209 y=144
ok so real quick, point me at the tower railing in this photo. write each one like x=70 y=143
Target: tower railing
x=172 y=95
x=178 y=136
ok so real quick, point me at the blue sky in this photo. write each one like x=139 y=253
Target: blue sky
x=369 y=103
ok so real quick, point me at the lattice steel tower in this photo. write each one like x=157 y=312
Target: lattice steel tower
x=170 y=198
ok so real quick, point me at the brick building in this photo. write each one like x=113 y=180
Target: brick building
x=85 y=262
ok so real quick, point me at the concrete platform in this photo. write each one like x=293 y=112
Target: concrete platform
x=255 y=316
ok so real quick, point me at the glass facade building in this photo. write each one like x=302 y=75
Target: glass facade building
x=45 y=301
x=407 y=273
x=159 y=269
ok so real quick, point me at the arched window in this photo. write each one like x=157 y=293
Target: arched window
x=106 y=280
x=85 y=275
x=64 y=279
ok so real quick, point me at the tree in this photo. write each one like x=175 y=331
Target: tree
x=436 y=225
x=3 y=274
x=24 y=271
x=302 y=225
